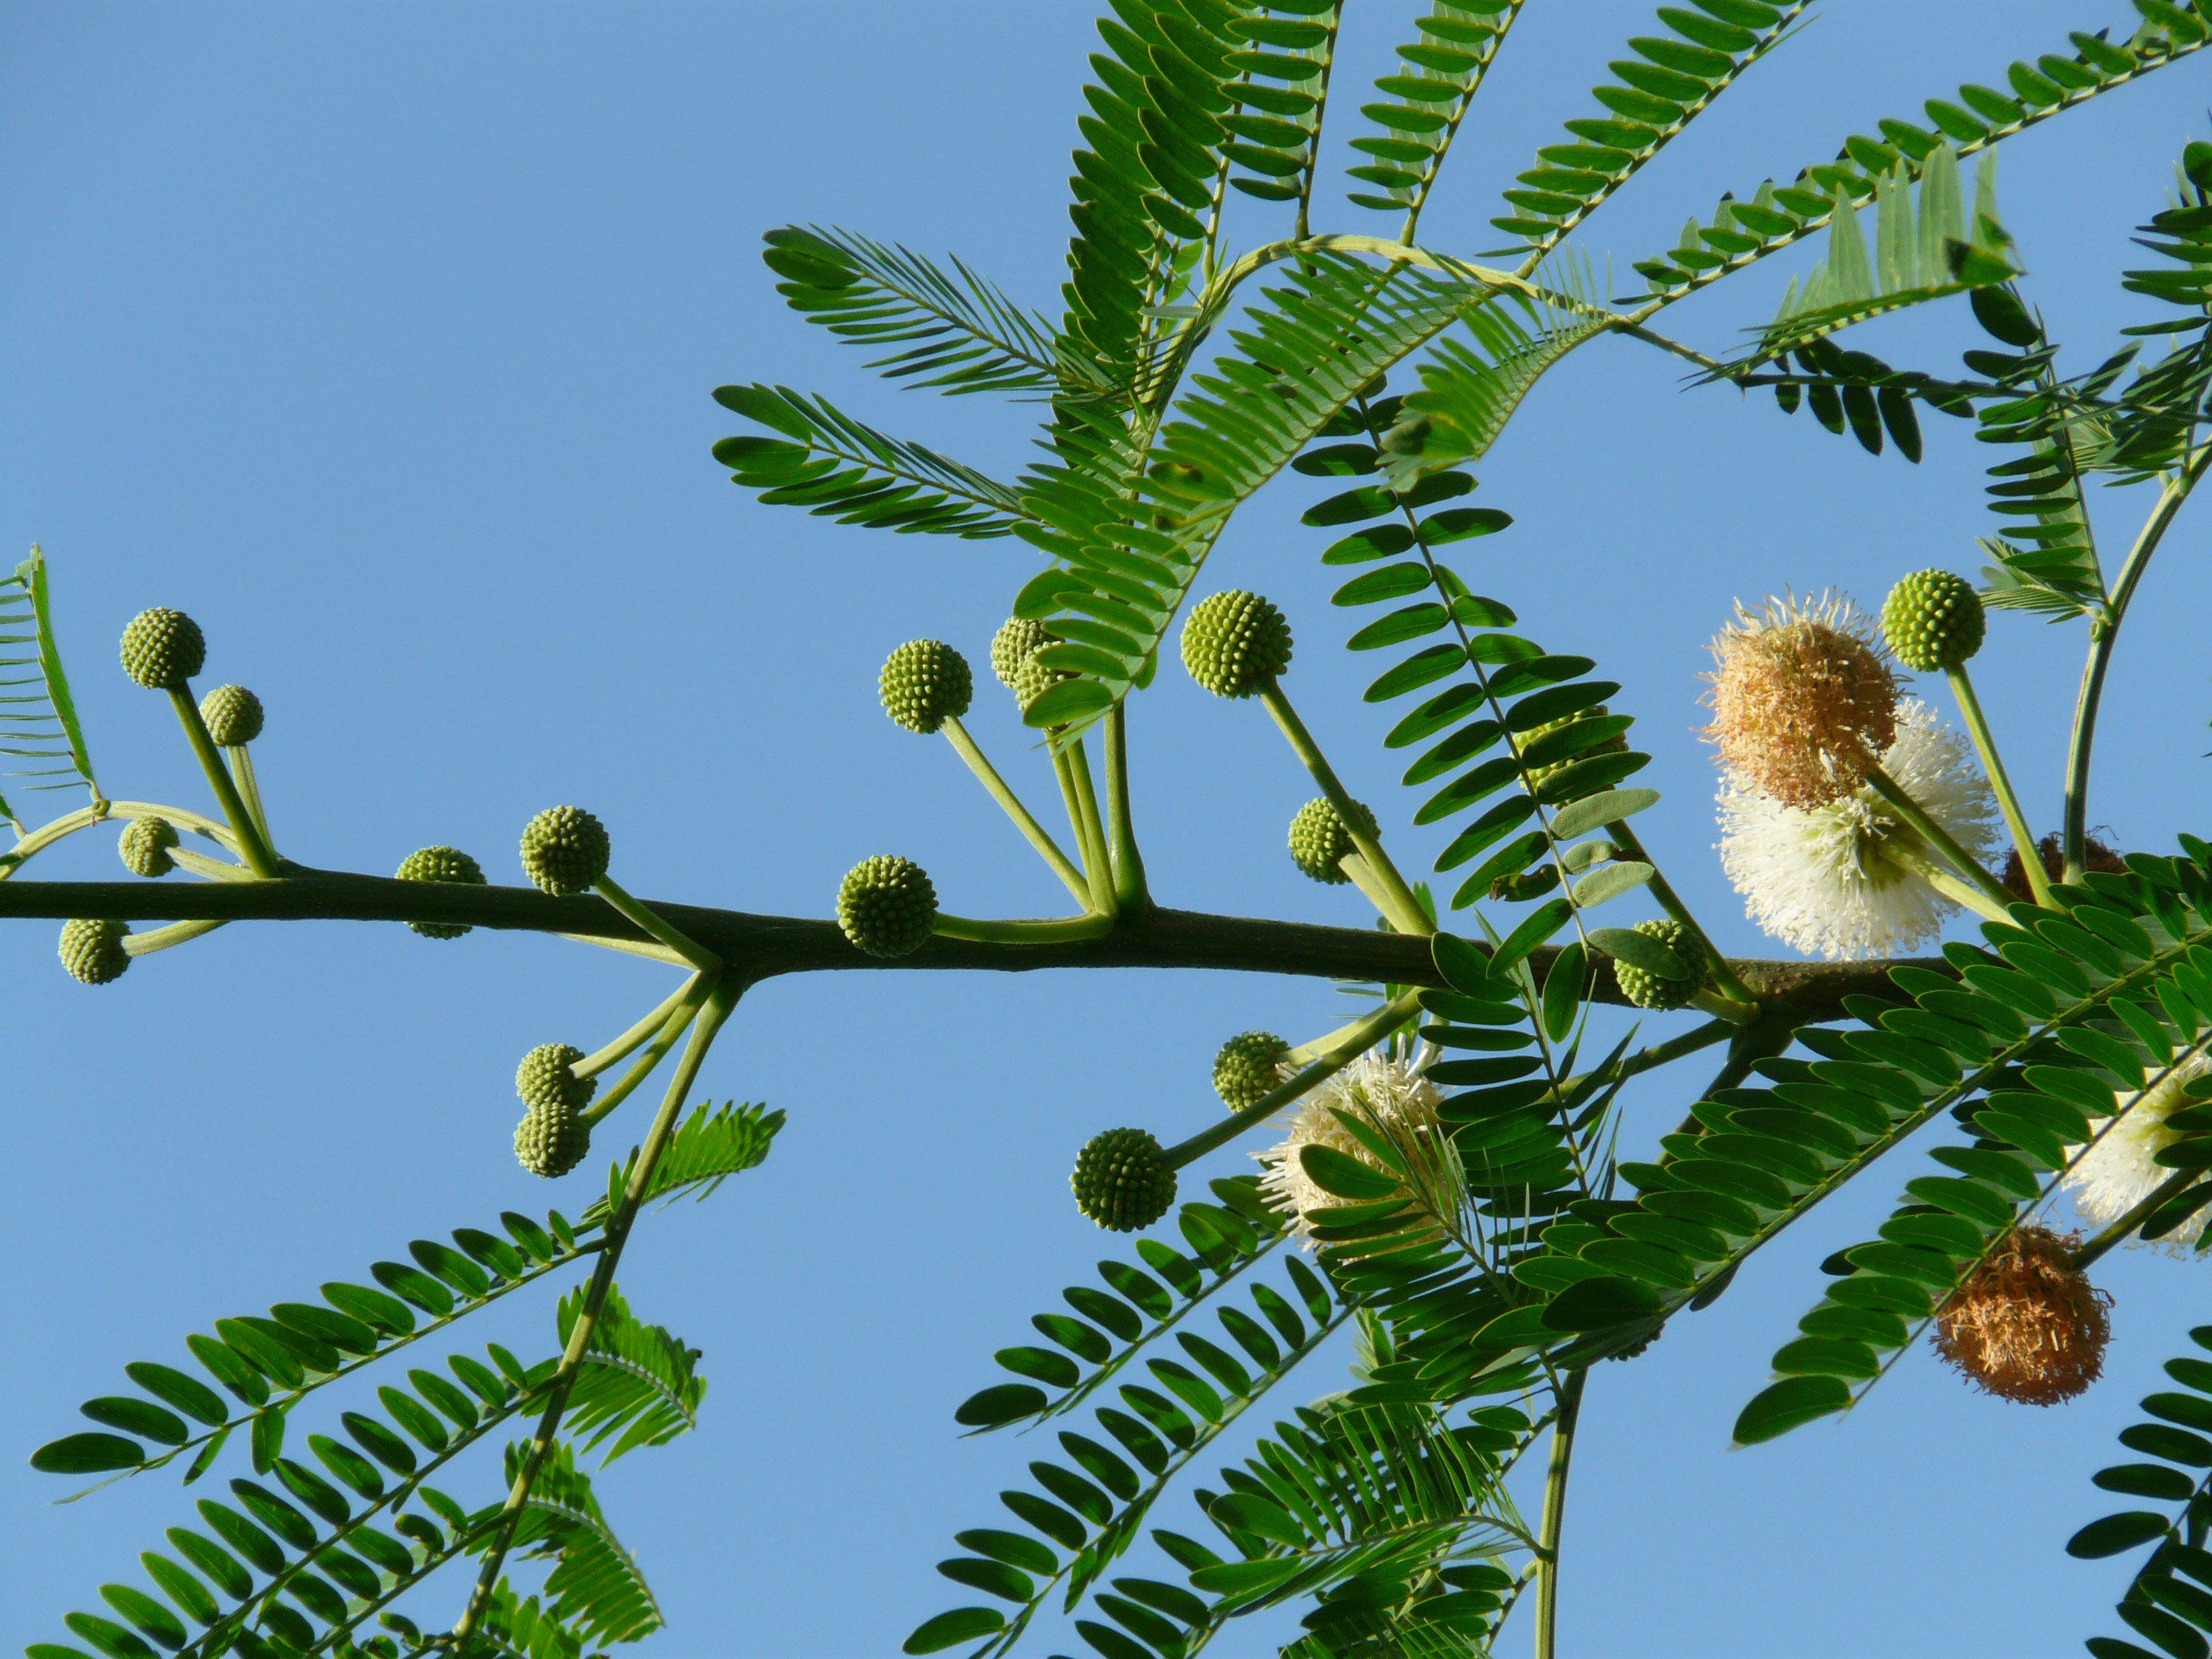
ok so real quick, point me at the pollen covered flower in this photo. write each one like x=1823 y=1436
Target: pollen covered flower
x=2117 y=1172
x=1816 y=877
x=2027 y=1325
x=1389 y=1094
x=1802 y=699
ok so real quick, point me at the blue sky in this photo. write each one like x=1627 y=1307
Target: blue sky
x=379 y=338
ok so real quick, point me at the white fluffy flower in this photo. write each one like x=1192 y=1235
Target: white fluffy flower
x=1388 y=1093
x=2117 y=1173
x=1815 y=879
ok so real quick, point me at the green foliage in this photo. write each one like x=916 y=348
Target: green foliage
x=1452 y=45
x=37 y=718
x=636 y=1386
x=705 y=1150
x=1092 y=1507
x=2033 y=1040
x=2169 y=1600
x=1281 y=93
x=595 y=1588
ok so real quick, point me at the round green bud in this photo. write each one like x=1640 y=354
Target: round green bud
x=1650 y=990
x=1319 y=840
x=565 y=850
x=544 y=1079
x=163 y=648
x=1235 y=642
x=925 y=682
x=1123 y=1180
x=445 y=864
x=1012 y=646
x=551 y=1141
x=1933 y=621
x=1248 y=1067
x=233 y=716
x=92 y=950
x=144 y=847
x=1033 y=679
x=886 y=905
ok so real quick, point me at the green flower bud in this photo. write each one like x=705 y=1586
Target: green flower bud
x=565 y=850
x=1234 y=642
x=1033 y=679
x=1650 y=990
x=886 y=905
x=1319 y=840
x=92 y=950
x=925 y=682
x=1123 y=1180
x=163 y=648
x=144 y=847
x=233 y=716
x=545 y=1080
x=551 y=1141
x=1012 y=646
x=1933 y=621
x=445 y=864
x=1248 y=1066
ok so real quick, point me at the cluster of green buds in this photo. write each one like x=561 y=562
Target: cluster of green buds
x=448 y=865
x=233 y=714
x=1321 y=841
x=1248 y=1068
x=1933 y=622
x=886 y=906
x=1122 y=1180
x=565 y=850
x=1235 y=643
x=145 y=846
x=92 y=950
x=553 y=1137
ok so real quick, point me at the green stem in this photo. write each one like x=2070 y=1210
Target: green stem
x=628 y=1043
x=1094 y=832
x=720 y=1001
x=1347 y=1045
x=1054 y=931
x=2023 y=838
x=249 y=791
x=1130 y=890
x=1555 y=1507
x=1032 y=831
x=697 y=955
x=250 y=847
x=212 y=869
x=2104 y=633
x=1403 y=909
x=99 y=812
x=628 y=947
x=671 y=1028
x=161 y=938
x=1623 y=837
x=1915 y=864
x=1936 y=837
x=1064 y=770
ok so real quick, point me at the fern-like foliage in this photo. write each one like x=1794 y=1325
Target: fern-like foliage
x=1092 y=1507
x=595 y=1588
x=1282 y=94
x=1777 y=216
x=38 y=717
x=1654 y=96
x=960 y=333
x=1453 y=44
x=268 y=1364
x=837 y=468
x=2169 y=1599
x=705 y=1150
x=2038 y=1038
x=637 y=1386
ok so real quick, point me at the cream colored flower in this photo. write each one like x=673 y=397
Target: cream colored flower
x=1802 y=696
x=2117 y=1173
x=1816 y=880
x=1388 y=1093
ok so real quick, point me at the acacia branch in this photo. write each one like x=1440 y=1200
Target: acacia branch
x=758 y=947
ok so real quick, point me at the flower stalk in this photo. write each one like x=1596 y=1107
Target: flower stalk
x=2023 y=838
x=1393 y=898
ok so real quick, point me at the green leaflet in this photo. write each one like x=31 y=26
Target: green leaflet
x=637 y=1385
x=1090 y=1507
x=38 y=717
x=1281 y=93
x=1443 y=65
x=2028 y=1088
x=2169 y=1599
x=595 y=1588
x=960 y=333
x=836 y=467
x=268 y=1364
x=1980 y=119
x=1656 y=93
x=706 y=1150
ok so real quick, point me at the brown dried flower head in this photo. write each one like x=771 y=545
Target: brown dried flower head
x=2027 y=1325
x=1802 y=699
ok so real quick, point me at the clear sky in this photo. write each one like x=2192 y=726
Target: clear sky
x=380 y=339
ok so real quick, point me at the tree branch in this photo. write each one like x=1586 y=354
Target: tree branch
x=758 y=947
